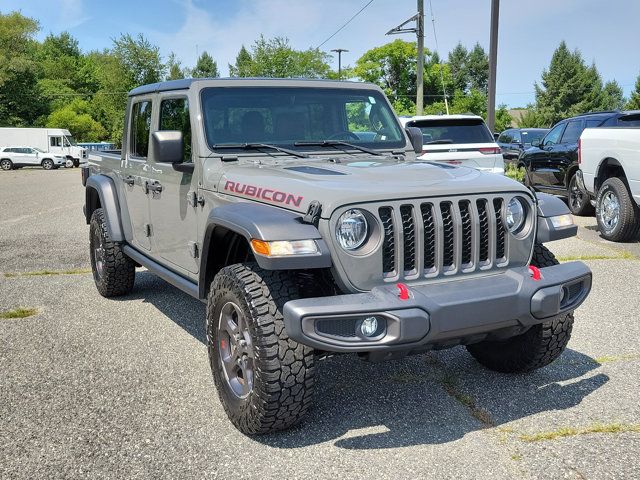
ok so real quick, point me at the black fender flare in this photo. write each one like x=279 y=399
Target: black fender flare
x=263 y=222
x=551 y=206
x=108 y=195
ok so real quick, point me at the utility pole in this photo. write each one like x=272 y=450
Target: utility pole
x=493 y=63
x=339 y=52
x=419 y=31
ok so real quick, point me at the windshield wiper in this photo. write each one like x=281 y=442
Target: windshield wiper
x=335 y=143
x=438 y=142
x=258 y=146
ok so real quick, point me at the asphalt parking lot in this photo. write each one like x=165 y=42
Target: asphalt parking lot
x=122 y=388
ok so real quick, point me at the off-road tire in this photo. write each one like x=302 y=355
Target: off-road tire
x=533 y=349
x=118 y=271
x=283 y=369
x=579 y=202
x=628 y=224
x=47 y=164
x=6 y=164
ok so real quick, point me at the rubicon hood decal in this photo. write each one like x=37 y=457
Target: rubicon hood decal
x=264 y=193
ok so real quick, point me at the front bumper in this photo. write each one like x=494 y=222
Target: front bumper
x=438 y=315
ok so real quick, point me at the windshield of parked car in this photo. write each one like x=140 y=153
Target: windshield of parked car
x=530 y=136
x=38 y=150
x=287 y=116
x=460 y=130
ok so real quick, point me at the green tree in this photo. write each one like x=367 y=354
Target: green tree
x=458 y=58
x=612 y=97
x=174 y=70
x=75 y=116
x=532 y=119
x=20 y=101
x=503 y=119
x=634 y=99
x=568 y=87
x=242 y=67
x=477 y=69
x=206 y=67
x=393 y=68
x=141 y=60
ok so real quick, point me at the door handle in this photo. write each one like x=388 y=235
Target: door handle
x=152 y=187
x=129 y=180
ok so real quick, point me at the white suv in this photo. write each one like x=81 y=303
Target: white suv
x=458 y=140
x=16 y=157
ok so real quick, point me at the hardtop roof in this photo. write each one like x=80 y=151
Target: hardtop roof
x=187 y=83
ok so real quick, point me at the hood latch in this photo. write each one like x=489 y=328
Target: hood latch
x=312 y=216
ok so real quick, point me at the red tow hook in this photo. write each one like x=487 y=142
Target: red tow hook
x=403 y=291
x=535 y=273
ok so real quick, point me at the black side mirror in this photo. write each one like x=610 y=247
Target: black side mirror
x=167 y=146
x=415 y=136
x=496 y=136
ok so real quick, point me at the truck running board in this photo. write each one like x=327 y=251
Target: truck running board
x=164 y=273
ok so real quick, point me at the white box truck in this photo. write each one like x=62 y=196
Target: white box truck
x=51 y=140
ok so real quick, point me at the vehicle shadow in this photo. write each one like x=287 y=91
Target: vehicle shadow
x=433 y=398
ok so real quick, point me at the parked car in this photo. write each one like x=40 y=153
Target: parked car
x=461 y=140
x=257 y=197
x=55 y=141
x=609 y=172
x=514 y=141
x=18 y=157
x=552 y=164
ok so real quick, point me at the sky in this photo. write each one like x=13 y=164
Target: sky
x=605 y=32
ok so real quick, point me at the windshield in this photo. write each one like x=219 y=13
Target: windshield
x=286 y=116
x=530 y=136
x=460 y=130
x=69 y=140
x=39 y=150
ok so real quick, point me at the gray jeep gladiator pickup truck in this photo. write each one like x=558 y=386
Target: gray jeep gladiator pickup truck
x=297 y=210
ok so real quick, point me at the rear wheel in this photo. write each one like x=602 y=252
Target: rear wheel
x=6 y=164
x=264 y=379
x=535 y=348
x=579 y=202
x=617 y=213
x=47 y=164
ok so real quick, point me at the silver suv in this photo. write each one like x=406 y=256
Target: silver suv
x=299 y=212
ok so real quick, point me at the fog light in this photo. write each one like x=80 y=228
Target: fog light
x=369 y=326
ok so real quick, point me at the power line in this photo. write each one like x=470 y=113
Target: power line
x=346 y=23
x=435 y=38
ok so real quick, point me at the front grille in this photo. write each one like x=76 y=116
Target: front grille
x=427 y=239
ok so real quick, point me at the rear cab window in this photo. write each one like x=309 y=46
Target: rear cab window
x=454 y=131
x=140 y=125
x=629 y=120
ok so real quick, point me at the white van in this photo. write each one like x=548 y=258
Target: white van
x=57 y=141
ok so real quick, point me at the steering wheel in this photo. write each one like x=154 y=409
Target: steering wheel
x=343 y=135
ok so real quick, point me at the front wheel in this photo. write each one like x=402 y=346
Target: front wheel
x=533 y=349
x=47 y=164
x=617 y=214
x=579 y=202
x=6 y=164
x=264 y=379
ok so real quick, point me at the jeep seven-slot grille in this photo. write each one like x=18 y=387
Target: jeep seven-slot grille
x=439 y=237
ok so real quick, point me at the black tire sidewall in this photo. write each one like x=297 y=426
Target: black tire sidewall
x=48 y=162
x=585 y=206
x=10 y=163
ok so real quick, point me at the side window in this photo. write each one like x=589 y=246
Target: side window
x=174 y=115
x=505 y=137
x=572 y=132
x=55 y=141
x=593 y=123
x=517 y=138
x=553 y=136
x=140 y=126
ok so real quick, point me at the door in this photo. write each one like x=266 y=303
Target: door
x=540 y=160
x=30 y=156
x=565 y=153
x=134 y=174
x=172 y=201
x=55 y=144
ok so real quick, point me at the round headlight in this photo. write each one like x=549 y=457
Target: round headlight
x=352 y=229
x=516 y=212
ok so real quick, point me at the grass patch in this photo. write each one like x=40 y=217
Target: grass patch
x=571 y=432
x=615 y=358
x=19 y=312
x=75 y=271
x=624 y=255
